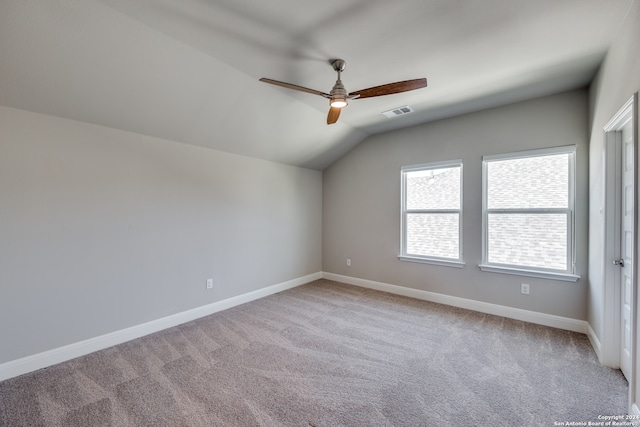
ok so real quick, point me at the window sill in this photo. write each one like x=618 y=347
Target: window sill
x=435 y=261
x=530 y=273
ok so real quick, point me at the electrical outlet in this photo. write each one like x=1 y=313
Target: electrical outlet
x=348 y=262
x=524 y=288
x=209 y=283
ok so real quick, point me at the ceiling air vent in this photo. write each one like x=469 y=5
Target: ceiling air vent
x=398 y=111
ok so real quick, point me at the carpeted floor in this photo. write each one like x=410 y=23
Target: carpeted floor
x=327 y=354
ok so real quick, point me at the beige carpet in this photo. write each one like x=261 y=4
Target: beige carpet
x=327 y=354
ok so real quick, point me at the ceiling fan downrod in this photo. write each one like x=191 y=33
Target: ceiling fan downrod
x=338 y=94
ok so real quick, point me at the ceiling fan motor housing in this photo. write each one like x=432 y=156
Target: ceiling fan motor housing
x=339 y=92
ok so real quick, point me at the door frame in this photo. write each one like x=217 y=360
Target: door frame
x=610 y=355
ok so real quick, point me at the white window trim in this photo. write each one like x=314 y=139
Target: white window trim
x=568 y=275
x=542 y=274
x=448 y=262
x=432 y=260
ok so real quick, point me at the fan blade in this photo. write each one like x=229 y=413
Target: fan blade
x=391 y=88
x=333 y=115
x=295 y=87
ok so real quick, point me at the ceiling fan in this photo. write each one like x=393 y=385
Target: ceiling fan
x=339 y=97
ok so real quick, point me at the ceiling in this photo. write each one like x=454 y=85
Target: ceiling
x=188 y=70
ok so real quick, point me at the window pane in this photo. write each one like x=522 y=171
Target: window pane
x=434 y=235
x=434 y=188
x=532 y=182
x=529 y=240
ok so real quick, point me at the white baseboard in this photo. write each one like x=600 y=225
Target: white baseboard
x=483 y=307
x=51 y=357
x=595 y=342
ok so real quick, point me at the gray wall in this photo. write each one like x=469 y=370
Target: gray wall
x=361 y=202
x=617 y=80
x=102 y=229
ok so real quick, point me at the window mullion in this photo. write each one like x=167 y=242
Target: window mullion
x=432 y=211
x=540 y=211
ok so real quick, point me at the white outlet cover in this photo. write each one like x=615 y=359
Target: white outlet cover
x=209 y=283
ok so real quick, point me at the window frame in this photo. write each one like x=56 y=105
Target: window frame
x=521 y=270
x=404 y=256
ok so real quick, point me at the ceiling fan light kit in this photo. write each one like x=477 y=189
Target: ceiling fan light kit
x=339 y=97
x=339 y=103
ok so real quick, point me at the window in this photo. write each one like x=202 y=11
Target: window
x=432 y=213
x=528 y=202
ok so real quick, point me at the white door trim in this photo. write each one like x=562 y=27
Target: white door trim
x=610 y=354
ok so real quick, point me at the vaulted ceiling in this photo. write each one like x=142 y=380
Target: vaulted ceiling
x=188 y=70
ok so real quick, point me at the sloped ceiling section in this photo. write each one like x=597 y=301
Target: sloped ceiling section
x=188 y=70
x=86 y=61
